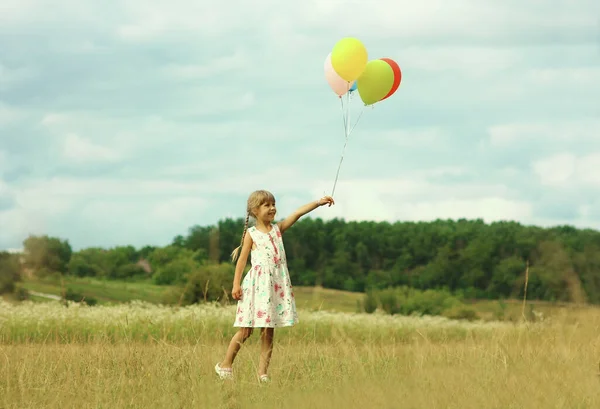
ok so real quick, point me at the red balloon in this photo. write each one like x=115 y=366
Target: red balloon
x=397 y=76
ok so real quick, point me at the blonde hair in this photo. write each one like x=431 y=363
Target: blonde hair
x=255 y=200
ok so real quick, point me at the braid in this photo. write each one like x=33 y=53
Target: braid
x=236 y=252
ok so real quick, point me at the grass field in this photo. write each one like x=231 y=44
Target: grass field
x=149 y=356
x=105 y=291
x=109 y=292
x=113 y=292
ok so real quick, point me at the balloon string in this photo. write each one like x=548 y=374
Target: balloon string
x=338 y=169
x=343 y=114
x=357 y=120
x=344 y=149
x=347 y=134
x=347 y=112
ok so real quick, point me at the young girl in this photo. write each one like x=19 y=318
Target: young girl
x=265 y=297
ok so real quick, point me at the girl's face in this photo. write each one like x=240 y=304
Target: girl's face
x=266 y=212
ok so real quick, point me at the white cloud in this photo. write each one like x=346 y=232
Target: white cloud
x=171 y=201
x=194 y=71
x=556 y=170
x=54 y=119
x=64 y=14
x=569 y=170
x=438 y=18
x=79 y=149
x=42 y=202
x=6 y=196
x=13 y=76
x=18 y=224
x=585 y=211
x=123 y=211
x=446 y=171
x=548 y=132
x=428 y=136
x=159 y=132
x=168 y=213
x=582 y=76
x=206 y=100
x=72 y=189
x=179 y=210
x=417 y=199
x=4 y=188
x=587 y=167
x=474 y=61
x=431 y=19
x=489 y=209
x=12 y=10
x=9 y=114
x=145 y=22
x=581 y=222
x=3 y=162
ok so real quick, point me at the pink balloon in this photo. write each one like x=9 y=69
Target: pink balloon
x=339 y=85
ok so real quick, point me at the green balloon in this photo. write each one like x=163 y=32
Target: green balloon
x=375 y=82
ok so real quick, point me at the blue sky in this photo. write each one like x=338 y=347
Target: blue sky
x=126 y=122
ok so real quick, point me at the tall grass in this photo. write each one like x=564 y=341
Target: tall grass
x=148 y=356
x=30 y=322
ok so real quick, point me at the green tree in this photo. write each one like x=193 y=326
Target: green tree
x=464 y=256
x=10 y=270
x=174 y=265
x=505 y=276
x=44 y=253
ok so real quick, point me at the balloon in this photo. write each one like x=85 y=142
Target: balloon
x=349 y=58
x=353 y=87
x=397 y=76
x=375 y=82
x=337 y=84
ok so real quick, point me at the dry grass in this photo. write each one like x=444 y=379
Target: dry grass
x=328 y=361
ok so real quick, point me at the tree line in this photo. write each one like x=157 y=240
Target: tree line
x=469 y=257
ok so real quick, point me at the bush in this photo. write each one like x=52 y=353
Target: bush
x=46 y=273
x=21 y=293
x=406 y=301
x=128 y=271
x=370 y=302
x=175 y=271
x=9 y=272
x=80 y=267
x=461 y=312
x=306 y=278
x=211 y=282
x=71 y=295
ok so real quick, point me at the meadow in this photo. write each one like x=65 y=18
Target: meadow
x=140 y=354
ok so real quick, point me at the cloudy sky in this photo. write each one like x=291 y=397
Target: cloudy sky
x=128 y=121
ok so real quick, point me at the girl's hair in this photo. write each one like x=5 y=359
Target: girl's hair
x=255 y=200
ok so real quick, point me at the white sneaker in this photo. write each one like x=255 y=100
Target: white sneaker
x=223 y=373
x=264 y=378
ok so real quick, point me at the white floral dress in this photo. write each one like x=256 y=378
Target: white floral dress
x=268 y=297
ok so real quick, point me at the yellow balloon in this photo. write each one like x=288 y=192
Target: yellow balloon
x=349 y=58
x=375 y=82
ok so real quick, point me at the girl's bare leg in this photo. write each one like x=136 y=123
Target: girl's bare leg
x=266 y=349
x=234 y=346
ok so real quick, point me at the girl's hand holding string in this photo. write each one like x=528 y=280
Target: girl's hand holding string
x=326 y=200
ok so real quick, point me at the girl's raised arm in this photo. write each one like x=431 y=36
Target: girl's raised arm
x=301 y=211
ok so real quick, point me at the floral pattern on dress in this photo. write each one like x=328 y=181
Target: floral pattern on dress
x=267 y=294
